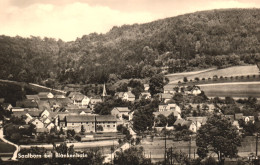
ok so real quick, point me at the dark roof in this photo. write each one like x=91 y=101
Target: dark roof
x=238 y=116
x=166 y=95
x=186 y=123
x=130 y=94
x=41 y=130
x=32 y=97
x=27 y=104
x=79 y=118
x=106 y=118
x=178 y=121
x=71 y=94
x=43 y=95
x=122 y=109
x=2 y=100
x=119 y=94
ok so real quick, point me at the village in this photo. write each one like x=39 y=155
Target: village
x=47 y=118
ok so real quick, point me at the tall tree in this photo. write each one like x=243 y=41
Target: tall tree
x=218 y=135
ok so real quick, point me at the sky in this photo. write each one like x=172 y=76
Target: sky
x=71 y=19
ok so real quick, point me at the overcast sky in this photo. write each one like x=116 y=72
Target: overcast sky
x=69 y=19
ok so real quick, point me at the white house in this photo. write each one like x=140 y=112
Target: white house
x=169 y=107
x=145 y=95
x=38 y=123
x=119 y=112
x=128 y=96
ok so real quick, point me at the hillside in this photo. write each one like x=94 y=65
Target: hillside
x=216 y=38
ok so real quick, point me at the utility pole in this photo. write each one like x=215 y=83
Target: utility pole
x=171 y=155
x=256 y=146
x=190 y=147
x=165 y=149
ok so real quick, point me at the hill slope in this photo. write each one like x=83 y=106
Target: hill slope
x=197 y=40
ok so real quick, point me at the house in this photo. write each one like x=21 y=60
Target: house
x=145 y=95
x=169 y=107
x=59 y=96
x=131 y=115
x=41 y=130
x=230 y=117
x=81 y=121
x=45 y=95
x=72 y=94
x=80 y=100
x=28 y=118
x=196 y=90
x=45 y=113
x=119 y=95
x=120 y=112
x=128 y=96
x=94 y=101
x=167 y=113
x=239 y=116
x=165 y=97
x=15 y=109
x=32 y=97
x=198 y=121
x=169 y=89
x=188 y=123
x=146 y=87
x=50 y=126
x=27 y=104
x=107 y=122
x=38 y=123
x=7 y=106
x=249 y=118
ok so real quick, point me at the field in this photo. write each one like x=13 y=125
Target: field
x=6 y=148
x=227 y=72
x=236 y=90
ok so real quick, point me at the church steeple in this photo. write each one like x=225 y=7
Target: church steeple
x=104 y=94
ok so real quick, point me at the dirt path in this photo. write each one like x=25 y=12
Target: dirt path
x=230 y=83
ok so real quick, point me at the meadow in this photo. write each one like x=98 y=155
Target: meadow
x=226 y=72
x=6 y=148
x=238 y=90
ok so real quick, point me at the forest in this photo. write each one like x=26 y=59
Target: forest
x=218 y=38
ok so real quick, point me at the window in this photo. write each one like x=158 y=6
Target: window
x=86 y=122
x=108 y=125
x=114 y=125
x=72 y=123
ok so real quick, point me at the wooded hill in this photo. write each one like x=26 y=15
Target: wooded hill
x=187 y=42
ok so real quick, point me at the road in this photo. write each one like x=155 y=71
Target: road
x=78 y=145
x=109 y=156
x=6 y=141
x=40 y=86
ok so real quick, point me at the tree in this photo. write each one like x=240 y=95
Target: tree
x=156 y=84
x=131 y=156
x=171 y=119
x=185 y=79
x=218 y=136
x=82 y=130
x=161 y=121
x=99 y=128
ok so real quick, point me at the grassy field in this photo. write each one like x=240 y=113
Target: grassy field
x=227 y=72
x=156 y=148
x=6 y=148
x=232 y=90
